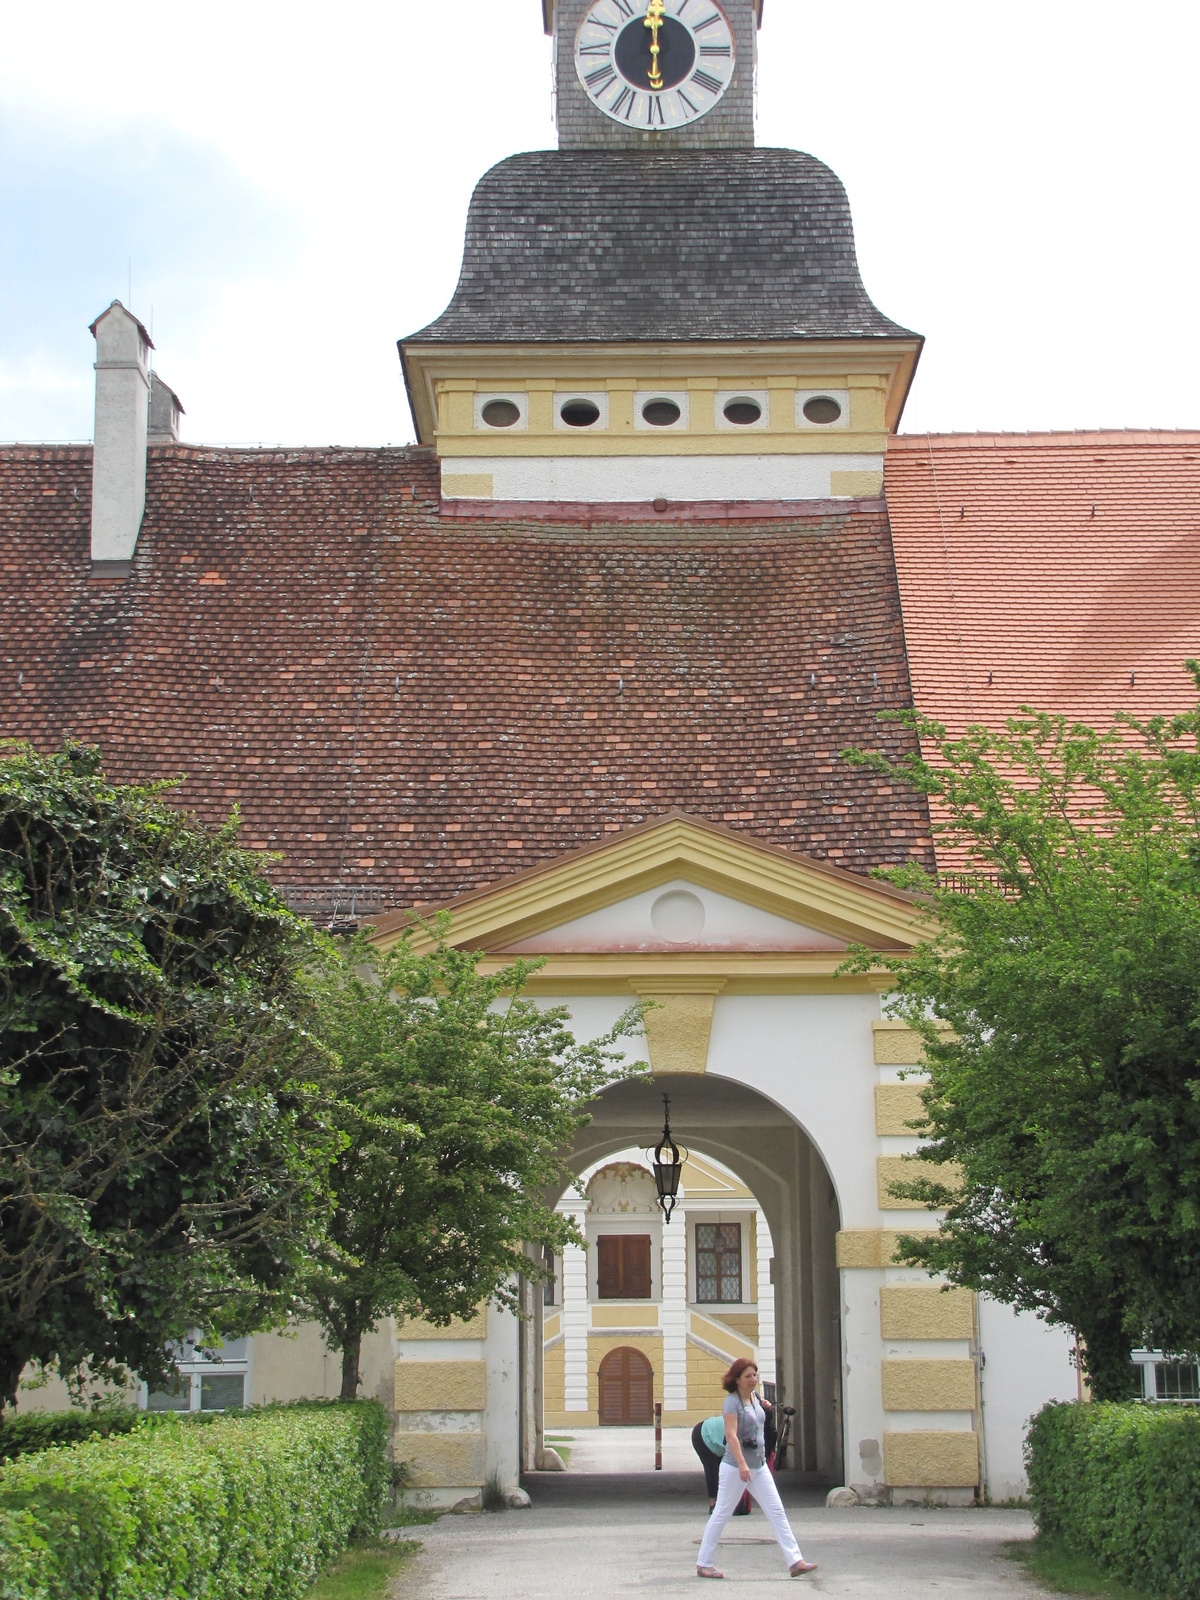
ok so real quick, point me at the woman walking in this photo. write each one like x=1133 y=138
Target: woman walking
x=744 y=1466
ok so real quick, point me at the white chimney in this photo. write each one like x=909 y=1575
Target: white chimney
x=165 y=412
x=119 y=457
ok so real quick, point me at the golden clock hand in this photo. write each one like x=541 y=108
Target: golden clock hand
x=655 y=17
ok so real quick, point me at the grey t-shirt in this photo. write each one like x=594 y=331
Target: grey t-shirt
x=751 y=1429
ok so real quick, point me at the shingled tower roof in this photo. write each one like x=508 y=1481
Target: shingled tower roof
x=564 y=246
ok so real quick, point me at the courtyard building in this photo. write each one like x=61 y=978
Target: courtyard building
x=578 y=668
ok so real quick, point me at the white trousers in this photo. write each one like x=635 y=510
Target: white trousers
x=729 y=1492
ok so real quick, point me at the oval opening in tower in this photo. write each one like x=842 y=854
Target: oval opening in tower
x=501 y=413
x=580 y=413
x=744 y=411
x=661 y=413
x=823 y=409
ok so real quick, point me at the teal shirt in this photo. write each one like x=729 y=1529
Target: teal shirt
x=712 y=1431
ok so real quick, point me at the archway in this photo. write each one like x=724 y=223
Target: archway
x=755 y=1139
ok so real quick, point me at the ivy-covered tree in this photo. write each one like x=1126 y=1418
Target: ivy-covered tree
x=1067 y=1088
x=456 y=1098
x=161 y=1164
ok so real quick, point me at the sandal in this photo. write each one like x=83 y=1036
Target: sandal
x=708 y=1572
x=801 y=1568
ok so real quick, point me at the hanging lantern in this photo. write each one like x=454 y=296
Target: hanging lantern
x=668 y=1161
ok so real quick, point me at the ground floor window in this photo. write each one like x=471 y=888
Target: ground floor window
x=207 y=1381
x=1166 y=1377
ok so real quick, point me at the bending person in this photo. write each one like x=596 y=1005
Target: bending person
x=744 y=1466
x=709 y=1445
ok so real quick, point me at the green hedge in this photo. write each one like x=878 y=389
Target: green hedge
x=30 y=1431
x=245 y=1507
x=1121 y=1483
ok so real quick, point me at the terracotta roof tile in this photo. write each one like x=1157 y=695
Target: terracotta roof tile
x=399 y=698
x=1060 y=570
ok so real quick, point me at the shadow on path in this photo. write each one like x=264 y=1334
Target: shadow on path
x=558 y=1490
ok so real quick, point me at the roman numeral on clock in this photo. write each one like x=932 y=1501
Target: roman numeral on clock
x=655 y=113
x=600 y=79
x=709 y=22
x=604 y=50
x=707 y=81
x=623 y=104
x=623 y=7
x=695 y=110
x=725 y=50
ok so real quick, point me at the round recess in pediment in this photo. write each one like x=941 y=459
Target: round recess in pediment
x=678 y=916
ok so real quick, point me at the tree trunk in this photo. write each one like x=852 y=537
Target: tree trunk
x=1107 y=1351
x=12 y=1365
x=351 y=1351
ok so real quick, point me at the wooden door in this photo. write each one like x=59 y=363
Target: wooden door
x=626 y=1389
x=623 y=1266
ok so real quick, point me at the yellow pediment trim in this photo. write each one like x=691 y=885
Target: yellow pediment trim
x=840 y=903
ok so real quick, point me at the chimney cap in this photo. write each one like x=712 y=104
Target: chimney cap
x=116 y=305
x=159 y=384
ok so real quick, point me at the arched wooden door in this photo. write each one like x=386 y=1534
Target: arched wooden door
x=626 y=1388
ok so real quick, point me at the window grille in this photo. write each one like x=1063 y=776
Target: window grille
x=719 y=1263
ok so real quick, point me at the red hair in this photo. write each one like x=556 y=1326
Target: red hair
x=730 y=1380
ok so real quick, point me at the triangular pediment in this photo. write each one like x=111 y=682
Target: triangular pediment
x=682 y=886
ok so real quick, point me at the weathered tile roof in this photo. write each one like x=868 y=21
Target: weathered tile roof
x=425 y=703
x=1060 y=570
x=698 y=244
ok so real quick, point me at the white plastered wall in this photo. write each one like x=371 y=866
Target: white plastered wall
x=688 y=478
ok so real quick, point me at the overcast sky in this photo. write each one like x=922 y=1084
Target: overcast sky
x=290 y=184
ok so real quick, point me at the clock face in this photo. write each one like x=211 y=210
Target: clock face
x=655 y=64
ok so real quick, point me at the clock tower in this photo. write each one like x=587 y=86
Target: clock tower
x=658 y=313
x=605 y=72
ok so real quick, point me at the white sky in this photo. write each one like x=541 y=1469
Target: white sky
x=291 y=183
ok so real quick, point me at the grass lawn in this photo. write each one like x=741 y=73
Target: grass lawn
x=561 y=1445
x=1067 y=1572
x=364 y=1572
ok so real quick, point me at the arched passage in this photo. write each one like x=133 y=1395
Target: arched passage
x=778 y=1163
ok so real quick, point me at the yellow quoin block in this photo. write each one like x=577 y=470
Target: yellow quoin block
x=898 y=1045
x=872 y=1247
x=441 y=1385
x=896 y=1169
x=443 y=1460
x=417 y=1328
x=931 y=1385
x=925 y=1311
x=931 y=1459
x=896 y=1105
x=468 y=485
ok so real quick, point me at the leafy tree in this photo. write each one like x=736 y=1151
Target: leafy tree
x=1068 y=1086
x=457 y=1096
x=161 y=1167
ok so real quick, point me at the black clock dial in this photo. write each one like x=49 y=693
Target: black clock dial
x=677 y=54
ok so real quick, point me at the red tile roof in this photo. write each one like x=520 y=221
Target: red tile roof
x=426 y=703
x=1060 y=570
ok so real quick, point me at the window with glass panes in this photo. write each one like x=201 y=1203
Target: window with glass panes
x=1177 y=1380
x=719 y=1263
